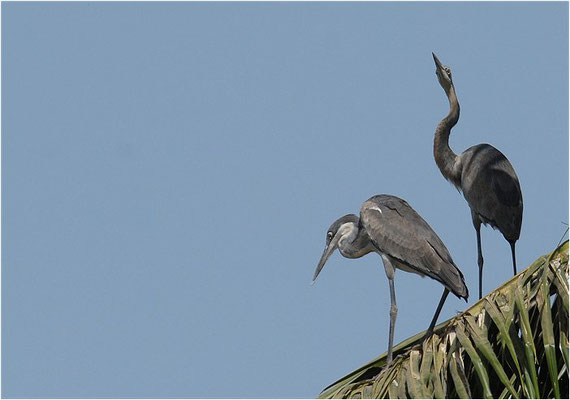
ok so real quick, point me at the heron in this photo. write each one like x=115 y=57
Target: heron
x=391 y=228
x=483 y=174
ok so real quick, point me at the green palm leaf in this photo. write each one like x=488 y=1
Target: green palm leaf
x=511 y=344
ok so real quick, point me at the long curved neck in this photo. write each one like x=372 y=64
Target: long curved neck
x=445 y=158
x=355 y=242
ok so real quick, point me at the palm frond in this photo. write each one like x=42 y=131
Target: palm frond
x=513 y=343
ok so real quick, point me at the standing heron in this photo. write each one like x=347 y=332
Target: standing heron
x=484 y=175
x=390 y=227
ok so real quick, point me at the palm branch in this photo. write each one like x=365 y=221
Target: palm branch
x=513 y=343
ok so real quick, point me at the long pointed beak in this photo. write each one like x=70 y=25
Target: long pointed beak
x=329 y=249
x=437 y=62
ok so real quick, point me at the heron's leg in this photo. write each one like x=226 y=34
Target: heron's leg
x=480 y=261
x=514 y=257
x=393 y=314
x=393 y=306
x=477 y=225
x=437 y=311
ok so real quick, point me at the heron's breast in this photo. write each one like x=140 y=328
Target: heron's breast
x=356 y=251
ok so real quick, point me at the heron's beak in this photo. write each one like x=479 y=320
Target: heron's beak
x=329 y=249
x=437 y=62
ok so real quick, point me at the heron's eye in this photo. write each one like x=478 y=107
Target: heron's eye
x=329 y=235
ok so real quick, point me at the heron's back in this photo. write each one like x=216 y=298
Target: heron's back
x=397 y=230
x=491 y=187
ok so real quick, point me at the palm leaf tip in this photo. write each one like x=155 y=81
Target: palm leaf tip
x=513 y=343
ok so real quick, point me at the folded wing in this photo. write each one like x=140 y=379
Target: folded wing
x=397 y=230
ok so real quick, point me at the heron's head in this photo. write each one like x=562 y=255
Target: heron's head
x=443 y=73
x=340 y=229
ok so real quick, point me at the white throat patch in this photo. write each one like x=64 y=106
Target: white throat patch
x=347 y=232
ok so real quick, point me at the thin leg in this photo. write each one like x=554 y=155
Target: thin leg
x=389 y=268
x=393 y=314
x=437 y=311
x=480 y=256
x=514 y=258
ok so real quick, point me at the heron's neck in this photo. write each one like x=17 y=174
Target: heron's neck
x=355 y=242
x=445 y=158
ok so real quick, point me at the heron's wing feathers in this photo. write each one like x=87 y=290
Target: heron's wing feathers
x=506 y=188
x=397 y=230
x=492 y=189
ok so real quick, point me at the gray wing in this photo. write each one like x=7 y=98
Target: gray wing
x=397 y=230
x=492 y=189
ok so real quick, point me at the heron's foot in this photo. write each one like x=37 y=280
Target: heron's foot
x=385 y=367
x=388 y=365
x=428 y=334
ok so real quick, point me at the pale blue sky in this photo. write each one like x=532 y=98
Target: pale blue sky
x=169 y=172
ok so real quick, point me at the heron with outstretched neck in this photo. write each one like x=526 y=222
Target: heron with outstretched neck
x=482 y=173
x=391 y=228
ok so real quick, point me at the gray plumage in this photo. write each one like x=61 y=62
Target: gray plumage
x=390 y=227
x=482 y=173
x=400 y=232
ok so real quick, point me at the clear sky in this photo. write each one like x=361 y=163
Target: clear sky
x=169 y=172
